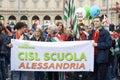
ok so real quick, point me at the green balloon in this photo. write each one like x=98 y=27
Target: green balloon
x=1 y=18
x=87 y=9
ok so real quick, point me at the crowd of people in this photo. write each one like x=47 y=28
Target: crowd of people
x=106 y=49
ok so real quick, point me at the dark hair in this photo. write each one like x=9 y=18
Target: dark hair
x=111 y=27
x=19 y=25
x=99 y=18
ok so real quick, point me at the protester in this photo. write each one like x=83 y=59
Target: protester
x=52 y=30
x=89 y=28
x=38 y=36
x=1 y=38
x=19 y=75
x=83 y=36
x=60 y=34
x=116 y=49
x=102 y=44
x=3 y=53
x=69 y=34
x=34 y=26
x=45 y=31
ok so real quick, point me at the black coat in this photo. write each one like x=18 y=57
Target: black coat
x=103 y=47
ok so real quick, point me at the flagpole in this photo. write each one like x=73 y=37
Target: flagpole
x=18 y=10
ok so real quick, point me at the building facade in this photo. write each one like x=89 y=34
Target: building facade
x=45 y=11
x=29 y=11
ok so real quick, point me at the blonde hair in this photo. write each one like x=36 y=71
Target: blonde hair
x=41 y=33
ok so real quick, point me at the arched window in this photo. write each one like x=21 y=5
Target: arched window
x=35 y=17
x=23 y=18
x=58 y=18
x=12 y=17
x=46 y=17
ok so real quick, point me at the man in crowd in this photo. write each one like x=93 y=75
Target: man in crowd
x=102 y=44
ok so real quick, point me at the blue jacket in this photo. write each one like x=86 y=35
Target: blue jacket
x=4 y=49
x=103 y=47
x=1 y=41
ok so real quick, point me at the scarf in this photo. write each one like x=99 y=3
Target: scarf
x=95 y=37
x=18 y=36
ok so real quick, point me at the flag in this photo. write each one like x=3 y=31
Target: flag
x=66 y=11
x=70 y=18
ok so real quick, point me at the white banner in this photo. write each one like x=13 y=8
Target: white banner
x=52 y=56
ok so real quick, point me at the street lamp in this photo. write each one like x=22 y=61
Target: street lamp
x=18 y=10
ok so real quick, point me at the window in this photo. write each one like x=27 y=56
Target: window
x=0 y=3
x=23 y=4
x=104 y=2
x=91 y=2
x=12 y=4
x=57 y=4
x=80 y=3
x=35 y=5
x=46 y=4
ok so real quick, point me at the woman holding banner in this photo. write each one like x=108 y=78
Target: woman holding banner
x=52 y=30
x=38 y=36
